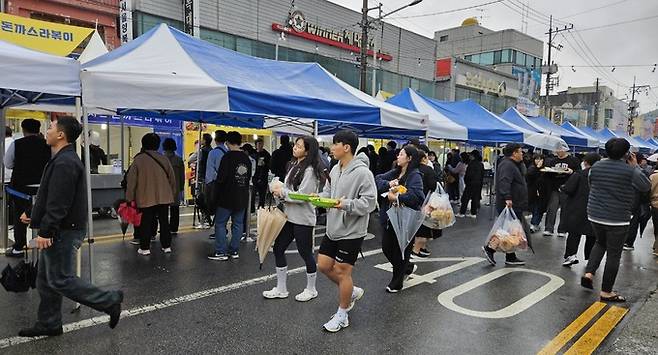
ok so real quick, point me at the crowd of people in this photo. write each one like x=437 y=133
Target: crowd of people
x=234 y=178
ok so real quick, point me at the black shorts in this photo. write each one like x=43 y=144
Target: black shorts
x=426 y=232
x=344 y=251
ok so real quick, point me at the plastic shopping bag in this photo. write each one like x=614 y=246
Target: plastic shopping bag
x=438 y=210
x=507 y=234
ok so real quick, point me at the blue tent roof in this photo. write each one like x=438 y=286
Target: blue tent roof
x=580 y=130
x=573 y=139
x=169 y=73
x=515 y=117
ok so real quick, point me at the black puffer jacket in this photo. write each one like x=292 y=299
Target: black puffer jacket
x=511 y=185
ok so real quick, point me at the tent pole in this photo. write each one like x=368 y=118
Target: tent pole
x=315 y=129
x=123 y=155
x=493 y=183
x=4 y=244
x=196 y=177
x=90 y=221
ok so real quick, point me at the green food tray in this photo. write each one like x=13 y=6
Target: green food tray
x=323 y=202
x=300 y=197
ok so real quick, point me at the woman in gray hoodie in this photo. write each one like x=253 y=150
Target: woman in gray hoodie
x=304 y=177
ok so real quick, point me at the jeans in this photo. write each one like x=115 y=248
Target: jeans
x=303 y=237
x=149 y=226
x=57 y=277
x=537 y=213
x=610 y=241
x=221 y=220
x=556 y=200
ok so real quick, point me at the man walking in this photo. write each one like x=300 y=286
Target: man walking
x=614 y=182
x=60 y=215
x=280 y=158
x=568 y=164
x=353 y=185
x=232 y=188
x=262 y=172
x=511 y=192
x=27 y=157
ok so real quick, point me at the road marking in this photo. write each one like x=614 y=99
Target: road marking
x=90 y=322
x=447 y=298
x=430 y=278
x=595 y=335
x=572 y=329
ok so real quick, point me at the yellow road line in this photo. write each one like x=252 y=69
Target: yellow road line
x=598 y=332
x=572 y=329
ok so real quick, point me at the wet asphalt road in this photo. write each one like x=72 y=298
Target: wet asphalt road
x=231 y=316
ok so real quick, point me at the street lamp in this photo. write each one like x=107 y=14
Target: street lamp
x=376 y=48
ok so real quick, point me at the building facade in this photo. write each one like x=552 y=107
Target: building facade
x=100 y=14
x=590 y=106
x=506 y=56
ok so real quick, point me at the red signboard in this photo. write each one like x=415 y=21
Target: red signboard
x=443 y=68
x=328 y=41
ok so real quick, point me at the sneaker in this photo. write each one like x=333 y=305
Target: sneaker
x=562 y=235
x=407 y=273
x=425 y=252
x=570 y=260
x=143 y=252
x=335 y=324
x=418 y=255
x=515 y=261
x=217 y=256
x=357 y=294
x=547 y=234
x=628 y=247
x=134 y=242
x=200 y=226
x=534 y=229
x=275 y=293
x=472 y=216
x=389 y=289
x=166 y=250
x=306 y=295
x=38 y=331
x=489 y=255
x=13 y=253
x=459 y=215
x=115 y=311
x=235 y=255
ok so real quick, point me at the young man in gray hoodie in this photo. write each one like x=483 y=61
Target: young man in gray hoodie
x=350 y=182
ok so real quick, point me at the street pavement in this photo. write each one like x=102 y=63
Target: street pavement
x=183 y=302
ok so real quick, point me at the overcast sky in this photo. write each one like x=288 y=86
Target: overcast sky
x=634 y=42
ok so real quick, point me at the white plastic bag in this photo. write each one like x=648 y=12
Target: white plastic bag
x=507 y=234
x=438 y=211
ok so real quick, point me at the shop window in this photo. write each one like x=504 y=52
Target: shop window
x=497 y=57
x=608 y=113
x=461 y=94
x=468 y=58
x=443 y=38
x=487 y=58
x=243 y=45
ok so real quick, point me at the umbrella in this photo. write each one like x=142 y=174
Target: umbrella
x=124 y=227
x=21 y=277
x=653 y=158
x=545 y=141
x=405 y=222
x=270 y=222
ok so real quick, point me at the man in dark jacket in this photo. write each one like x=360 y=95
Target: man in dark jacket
x=280 y=158
x=556 y=200
x=614 y=182
x=473 y=180
x=28 y=157
x=576 y=223
x=511 y=192
x=262 y=172
x=60 y=215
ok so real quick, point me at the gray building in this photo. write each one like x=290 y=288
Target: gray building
x=602 y=108
x=506 y=56
x=316 y=31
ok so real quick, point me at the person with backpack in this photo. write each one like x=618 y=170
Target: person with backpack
x=151 y=183
x=231 y=190
x=304 y=177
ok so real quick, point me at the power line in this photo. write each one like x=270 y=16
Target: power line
x=618 y=23
x=447 y=11
x=594 y=9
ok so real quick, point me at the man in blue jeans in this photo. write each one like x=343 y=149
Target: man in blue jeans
x=232 y=190
x=60 y=215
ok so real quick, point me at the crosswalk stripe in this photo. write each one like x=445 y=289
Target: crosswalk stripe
x=595 y=335
x=572 y=329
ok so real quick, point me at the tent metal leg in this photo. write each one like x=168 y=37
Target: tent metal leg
x=4 y=241
x=123 y=147
x=90 y=221
x=492 y=203
x=197 y=189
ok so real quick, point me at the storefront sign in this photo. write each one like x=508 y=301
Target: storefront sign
x=49 y=37
x=159 y=123
x=298 y=26
x=443 y=69
x=125 y=21
x=487 y=85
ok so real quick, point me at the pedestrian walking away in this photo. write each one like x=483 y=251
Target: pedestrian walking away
x=169 y=147
x=304 y=177
x=609 y=209
x=281 y=158
x=351 y=183
x=232 y=195
x=576 y=222
x=262 y=172
x=407 y=175
x=654 y=210
x=511 y=192
x=563 y=165
x=60 y=216
x=473 y=181
x=641 y=208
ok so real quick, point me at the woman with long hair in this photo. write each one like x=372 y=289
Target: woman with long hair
x=304 y=176
x=405 y=174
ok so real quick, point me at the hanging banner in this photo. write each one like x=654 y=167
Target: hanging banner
x=191 y=17
x=125 y=21
x=137 y=121
x=48 y=37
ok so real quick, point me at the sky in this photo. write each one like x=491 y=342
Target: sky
x=607 y=34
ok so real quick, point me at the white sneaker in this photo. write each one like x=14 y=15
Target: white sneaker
x=357 y=294
x=562 y=235
x=472 y=216
x=166 y=250
x=534 y=229
x=459 y=215
x=275 y=293
x=306 y=295
x=570 y=260
x=143 y=252
x=335 y=324
x=548 y=233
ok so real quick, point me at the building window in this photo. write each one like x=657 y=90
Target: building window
x=443 y=38
x=497 y=59
x=487 y=58
x=475 y=58
x=608 y=113
x=520 y=58
x=468 y=57
x=506 y=56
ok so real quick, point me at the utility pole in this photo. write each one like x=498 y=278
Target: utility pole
x=595 y=122
x=550 y=69
x=633 y=105
x=375 y=51
x=364 y=46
